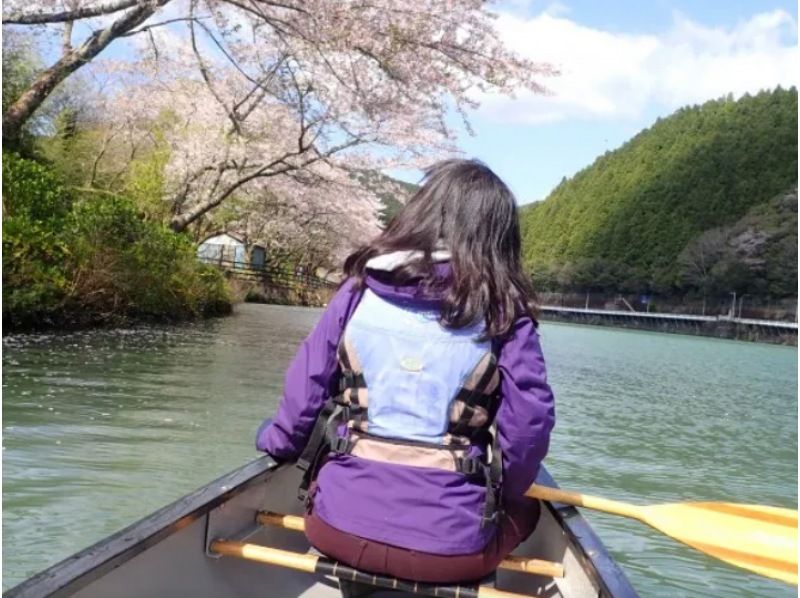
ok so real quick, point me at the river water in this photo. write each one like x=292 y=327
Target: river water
x=102 y=427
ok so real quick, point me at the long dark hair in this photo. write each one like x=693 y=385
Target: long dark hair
x=463 y=206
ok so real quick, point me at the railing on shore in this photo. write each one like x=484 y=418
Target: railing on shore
x=674 y=317
x=746 y=306
x=272 y=276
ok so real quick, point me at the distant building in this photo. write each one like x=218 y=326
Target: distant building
x=229 y=250
x=258 y=256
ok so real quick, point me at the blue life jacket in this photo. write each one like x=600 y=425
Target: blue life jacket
x=411 y=392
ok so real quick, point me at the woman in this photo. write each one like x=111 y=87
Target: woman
x=391 y=403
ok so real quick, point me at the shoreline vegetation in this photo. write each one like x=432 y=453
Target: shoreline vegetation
x=77 y=256
x=71 y=261
x=114 y=171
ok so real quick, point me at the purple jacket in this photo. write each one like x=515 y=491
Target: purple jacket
x=418 y=508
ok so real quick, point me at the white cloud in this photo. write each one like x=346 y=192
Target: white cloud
x=607 y=75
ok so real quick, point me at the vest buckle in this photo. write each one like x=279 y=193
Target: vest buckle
x=340 y=445
x=469 y=466
x=490 y=518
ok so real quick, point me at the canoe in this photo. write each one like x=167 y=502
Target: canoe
x=176 y=551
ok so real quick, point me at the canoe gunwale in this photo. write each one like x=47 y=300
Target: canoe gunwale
x=75 y=572
x=79 y=570
x=595 y=556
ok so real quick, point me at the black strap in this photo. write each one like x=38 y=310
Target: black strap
x=350 y=379
x=318 y=444
x=341 y=445
x=470 y=466
x=465 y=395
x=492 y=470
x=490 y=509
x=494 y=478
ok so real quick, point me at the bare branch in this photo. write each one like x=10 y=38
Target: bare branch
x=66 y=44
x=205 y=74
x=148 y=28
x=180 y=222
x=281 y=5
x=109 y=135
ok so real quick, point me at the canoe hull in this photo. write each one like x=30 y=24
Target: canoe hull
x=166 y=554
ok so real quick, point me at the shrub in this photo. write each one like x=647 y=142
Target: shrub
x=34 y=209
x=124 y=265
x=93 y=260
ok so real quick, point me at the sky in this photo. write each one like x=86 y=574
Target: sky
x=623 y=63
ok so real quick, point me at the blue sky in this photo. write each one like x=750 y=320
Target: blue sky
x=623 y=63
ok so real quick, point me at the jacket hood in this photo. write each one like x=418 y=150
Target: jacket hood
x=378 y=278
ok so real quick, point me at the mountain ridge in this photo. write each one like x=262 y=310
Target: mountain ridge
x=625 y=219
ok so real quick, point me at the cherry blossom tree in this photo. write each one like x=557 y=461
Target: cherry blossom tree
x=351 y=59
x=272 y=106
x=261 y=156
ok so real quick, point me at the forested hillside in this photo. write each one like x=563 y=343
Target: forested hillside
x=700 y=203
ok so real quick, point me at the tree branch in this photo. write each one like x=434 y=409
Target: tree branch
x=205 y=74
x=21 y=110
x=180 y=222
x=41 y=18
x=66 y=45
x=161 y=24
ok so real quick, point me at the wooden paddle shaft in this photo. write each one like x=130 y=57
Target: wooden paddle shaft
x=511 y=563
x=315 y=564
x=265 y=554
x=583 y=500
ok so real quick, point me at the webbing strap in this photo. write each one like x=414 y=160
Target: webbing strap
x=470 y=466
x=344 y=358
x=353 y=381
x=318 y=444
x=324 y=437
x=494 y=477
x=476 y=397
x=350 y=379
x=465 y=395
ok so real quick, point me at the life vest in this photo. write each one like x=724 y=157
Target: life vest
x=411 y=392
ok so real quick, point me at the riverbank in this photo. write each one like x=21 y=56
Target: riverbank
x=224 y=290
x=266 y=288
x=743 y=329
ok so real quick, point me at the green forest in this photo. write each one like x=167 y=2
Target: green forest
x=701 y=204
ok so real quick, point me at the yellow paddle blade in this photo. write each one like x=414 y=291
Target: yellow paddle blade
x=755 y=537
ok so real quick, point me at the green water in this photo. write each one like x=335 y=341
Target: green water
x=100 y=428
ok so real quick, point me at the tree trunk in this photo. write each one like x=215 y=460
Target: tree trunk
x=20 y=111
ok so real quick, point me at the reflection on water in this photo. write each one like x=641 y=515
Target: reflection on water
x=103 y=427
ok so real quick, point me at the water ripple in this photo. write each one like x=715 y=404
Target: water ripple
x=103 y=427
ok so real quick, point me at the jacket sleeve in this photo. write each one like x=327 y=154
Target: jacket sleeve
x=527 y=411
x=308 y=381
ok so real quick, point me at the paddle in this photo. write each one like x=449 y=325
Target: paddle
x=754 y=537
